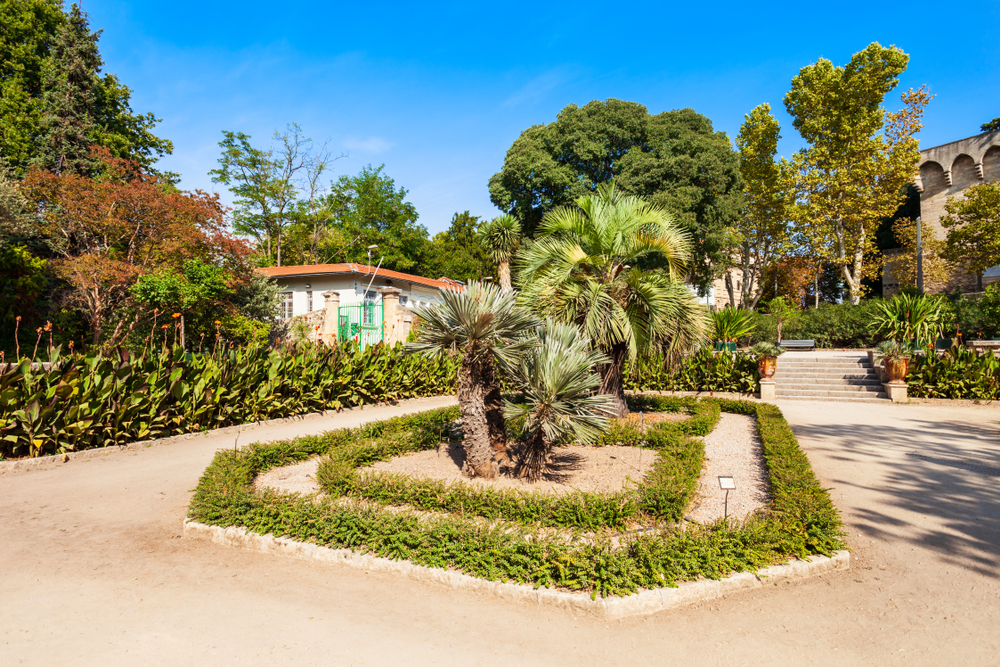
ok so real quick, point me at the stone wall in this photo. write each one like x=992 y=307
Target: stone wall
x=947 y=171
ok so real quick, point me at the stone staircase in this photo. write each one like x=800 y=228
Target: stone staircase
x=827 y=378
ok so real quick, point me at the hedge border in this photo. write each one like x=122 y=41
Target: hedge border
x=662 y=496
x=802 y=521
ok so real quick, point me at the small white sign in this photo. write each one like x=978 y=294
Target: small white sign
x=727 y=483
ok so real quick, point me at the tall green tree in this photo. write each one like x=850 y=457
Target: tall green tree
x=265 y=182
x=370 y=210
x=763 y=228
x=859 y=155
x=455 y=252
x=674 y=160
x=501 y=238
x=972 y=223
x=583 y=267
x=54 y=102
x=27 y=29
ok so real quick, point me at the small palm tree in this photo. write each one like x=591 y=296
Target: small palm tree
x=500 y=239
x=558 y=381
x=583 y=268
x=485 y=326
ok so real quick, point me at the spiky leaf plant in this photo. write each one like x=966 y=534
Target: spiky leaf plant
x=584 y=268
x=486 y=326
x=500 y=239
x=558 y=381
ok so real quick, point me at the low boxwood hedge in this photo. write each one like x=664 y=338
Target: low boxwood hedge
x=801 y=519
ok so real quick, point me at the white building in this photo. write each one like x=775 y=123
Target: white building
x=303 y=286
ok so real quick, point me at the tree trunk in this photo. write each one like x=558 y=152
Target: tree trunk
x=504 y=270
x=536 y=455
x=493 y=401
x=730 y=288
x=816 y=289
x=479 y=452
x=613 y=378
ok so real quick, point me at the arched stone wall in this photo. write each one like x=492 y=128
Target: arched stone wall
x=991 y=164
x=963 y=172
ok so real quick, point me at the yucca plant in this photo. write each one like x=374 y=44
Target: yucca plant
x=910 y=317
x=764 y=350
x=558 y=381
x=729 y=324
x=583 y=268
x=486 y=326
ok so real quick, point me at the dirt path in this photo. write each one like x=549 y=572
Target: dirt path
x=93 y=572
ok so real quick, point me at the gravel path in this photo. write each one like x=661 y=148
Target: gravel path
x=598 y=469
x=732 y=449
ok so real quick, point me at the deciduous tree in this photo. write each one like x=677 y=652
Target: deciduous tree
x=859 y=156
x=972 y=221
x=762 y=230
x=108 y=232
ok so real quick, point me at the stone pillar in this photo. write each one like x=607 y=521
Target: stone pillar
x=896 y=391
x=330 y=322
x=393 y=314
x=768 y=390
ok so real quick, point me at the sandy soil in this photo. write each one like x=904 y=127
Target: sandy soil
x=94 y=572
x=732 y=449
x=601 y=469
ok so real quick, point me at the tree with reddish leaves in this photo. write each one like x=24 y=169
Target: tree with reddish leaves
x=107 y=231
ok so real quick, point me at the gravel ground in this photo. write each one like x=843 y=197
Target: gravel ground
x=732 y=449
x=602 y=469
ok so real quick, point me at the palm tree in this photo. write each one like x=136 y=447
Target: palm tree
x=500 y=239
x=486 y=326
x=583 y=268
x=558 y=381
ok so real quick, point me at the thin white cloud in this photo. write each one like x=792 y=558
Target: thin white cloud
x=536 y=89
x=368 y=145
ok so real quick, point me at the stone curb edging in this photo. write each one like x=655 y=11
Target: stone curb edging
x=97 y=452
x=642 y=603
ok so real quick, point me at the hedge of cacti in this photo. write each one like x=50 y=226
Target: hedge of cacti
x=82 y=401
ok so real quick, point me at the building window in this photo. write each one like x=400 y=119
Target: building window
x=309 y=301
x=286 y=304
x=371 y=296
x=403 y=299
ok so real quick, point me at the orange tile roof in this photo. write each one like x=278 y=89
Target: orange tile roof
x=360 y=269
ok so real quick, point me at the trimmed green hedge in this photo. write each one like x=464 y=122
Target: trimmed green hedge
x=662 y=496
x=800 y=521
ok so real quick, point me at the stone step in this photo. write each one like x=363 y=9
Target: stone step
x=829 y=377
x=823 y=364
x=807 y=386
x=832 y=393
x=844 y=399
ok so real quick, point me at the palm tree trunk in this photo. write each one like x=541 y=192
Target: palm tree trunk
x=613 y=377
x=504 y=270
x=479 y=451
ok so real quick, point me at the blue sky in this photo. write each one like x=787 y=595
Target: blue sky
x=438 y=92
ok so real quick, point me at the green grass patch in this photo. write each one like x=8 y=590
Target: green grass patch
x=800 y=521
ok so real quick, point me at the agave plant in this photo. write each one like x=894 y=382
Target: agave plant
x=558 y=381
x=765 y=350
x=486 y=326
x=729 y=324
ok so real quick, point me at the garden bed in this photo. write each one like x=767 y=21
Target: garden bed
x=511 y=545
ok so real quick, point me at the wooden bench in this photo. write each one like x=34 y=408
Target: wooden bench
x=798 y=344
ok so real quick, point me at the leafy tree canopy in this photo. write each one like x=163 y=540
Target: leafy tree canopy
x=456 y=254
x=972 y=222
x=370 y=210
x=991 y=126
x=674 y=160
x=54 y=102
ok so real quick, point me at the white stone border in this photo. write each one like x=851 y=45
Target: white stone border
x=642 y=603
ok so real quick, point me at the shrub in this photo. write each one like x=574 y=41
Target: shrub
x=96 y=400
x=702 y=371
x=800 y=521
x=956 y=373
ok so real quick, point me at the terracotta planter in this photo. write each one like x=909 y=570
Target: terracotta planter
x=766 y=367
x=896 y=369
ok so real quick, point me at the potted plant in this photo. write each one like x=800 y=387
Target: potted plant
x=730 y=324
x=766 y=354
x=895 y=360
x=782 y=312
